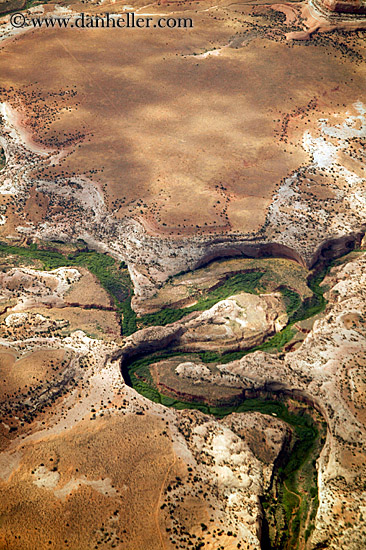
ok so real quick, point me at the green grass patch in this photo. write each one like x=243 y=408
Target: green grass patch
x=296 y=311
x=241 y=282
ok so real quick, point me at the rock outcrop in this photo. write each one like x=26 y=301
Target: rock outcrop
x=345 y=6
x=240 y=322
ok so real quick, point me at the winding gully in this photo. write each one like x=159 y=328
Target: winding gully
x=290 y=504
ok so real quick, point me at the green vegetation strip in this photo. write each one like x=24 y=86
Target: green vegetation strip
x=296 y=510
x=295 y=308
x=290 y=504
x=296 y=311
x=112 y=275
x=241 y=282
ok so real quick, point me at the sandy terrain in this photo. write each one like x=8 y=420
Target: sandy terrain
x=121 y=146
x=243 y=136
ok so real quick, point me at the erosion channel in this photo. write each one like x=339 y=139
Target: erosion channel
x=218 y=300
x=290 y=504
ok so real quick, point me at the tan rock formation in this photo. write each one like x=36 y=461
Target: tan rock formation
x=240 y=322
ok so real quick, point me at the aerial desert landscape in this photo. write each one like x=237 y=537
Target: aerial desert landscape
x=183 y=275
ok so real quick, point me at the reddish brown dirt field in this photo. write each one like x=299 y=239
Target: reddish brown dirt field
x=184 y=144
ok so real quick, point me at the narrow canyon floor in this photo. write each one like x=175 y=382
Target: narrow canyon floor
x=213 y=450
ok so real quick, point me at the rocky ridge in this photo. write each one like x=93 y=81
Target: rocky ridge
x=324 y=225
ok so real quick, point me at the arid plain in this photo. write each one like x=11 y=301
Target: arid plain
x=182 y=338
